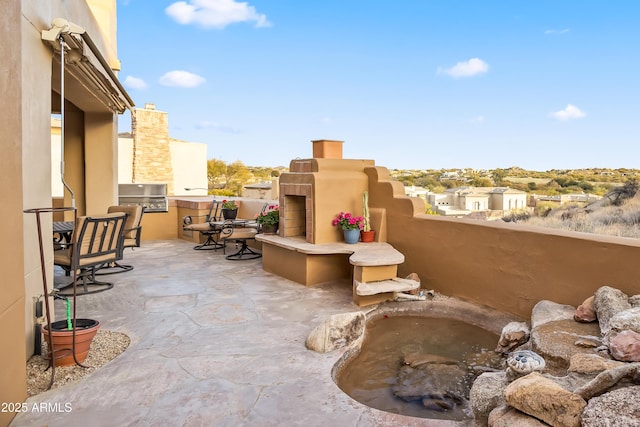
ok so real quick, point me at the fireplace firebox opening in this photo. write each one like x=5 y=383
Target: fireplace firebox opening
x=295 y=216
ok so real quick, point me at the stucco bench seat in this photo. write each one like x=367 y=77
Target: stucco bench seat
x=362 y=254
x=372 y=267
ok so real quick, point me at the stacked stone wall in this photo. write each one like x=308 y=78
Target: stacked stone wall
x=151 y=150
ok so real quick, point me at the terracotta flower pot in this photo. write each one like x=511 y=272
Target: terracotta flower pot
x=367 y=236
x=62 y=338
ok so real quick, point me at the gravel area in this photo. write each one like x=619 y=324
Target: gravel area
x=106 y=346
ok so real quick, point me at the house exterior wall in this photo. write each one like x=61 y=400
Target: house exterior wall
x=12 y=110
x=125 y=160
x=189 y=165
x=474 y=202
x=508 y=201
x=30 y=87
x=101 y=154
x=435 y=199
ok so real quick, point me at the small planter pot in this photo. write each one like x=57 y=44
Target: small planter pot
x=269 y=228
x=229 y=213
x=351 y=236
x=367 y=236
x=62 y=339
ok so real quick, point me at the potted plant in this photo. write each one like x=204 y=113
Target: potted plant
x=269 y=219
x=367 y=234
x=60 y=340
x=229 y=209
x=350 y=225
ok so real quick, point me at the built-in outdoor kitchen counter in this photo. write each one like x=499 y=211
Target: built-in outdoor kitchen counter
x=372 y=267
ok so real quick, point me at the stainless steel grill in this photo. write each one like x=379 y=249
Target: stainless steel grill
x=153 y=197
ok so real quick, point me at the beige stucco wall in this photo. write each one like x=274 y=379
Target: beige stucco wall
x=101 y=154
x=189 y=164
x=125 y=160
x=28 y=86
x=12 y=303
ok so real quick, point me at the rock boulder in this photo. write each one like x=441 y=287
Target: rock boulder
x=542 y=398
x=487 y=393
x=619 y=408
x=513 y=335
x=626 y=346
x=586 y=312
x=607 y=302
x=336 y=332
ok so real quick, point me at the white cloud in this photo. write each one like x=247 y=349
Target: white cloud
x=478 y=120
x=134 y=83
x=550 y=32
x=468 y=68
x=181 y=78
x=569 y=113
x=326 y=120
x=215 y=13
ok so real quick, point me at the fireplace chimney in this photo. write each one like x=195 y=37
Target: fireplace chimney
x=327 y=149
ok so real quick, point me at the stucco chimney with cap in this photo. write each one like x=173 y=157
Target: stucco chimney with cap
x=327 y=149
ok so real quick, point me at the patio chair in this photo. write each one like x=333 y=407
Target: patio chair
x=207 y=228
x=96 y=241
x=254 y=221
x=130 y=238
x=240 y=235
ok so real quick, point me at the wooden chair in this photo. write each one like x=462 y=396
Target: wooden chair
x=207 y=228
x=96 y=241
x=130 y=238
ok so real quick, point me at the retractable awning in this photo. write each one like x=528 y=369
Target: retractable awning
x=98 y=85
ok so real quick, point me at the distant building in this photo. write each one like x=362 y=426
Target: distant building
x=262 y=190
x=462 y=201
x=450 y=175
x=415 y=191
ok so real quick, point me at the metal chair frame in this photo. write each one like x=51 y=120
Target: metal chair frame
x=211 y=231
x=136 y=228
x=96 y=240
x=243 y=234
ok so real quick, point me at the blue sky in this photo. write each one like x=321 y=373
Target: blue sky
x=410 y=84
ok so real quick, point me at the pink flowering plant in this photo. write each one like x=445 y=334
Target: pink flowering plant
x=346 y=221
x=229 y=204
x=271 y=216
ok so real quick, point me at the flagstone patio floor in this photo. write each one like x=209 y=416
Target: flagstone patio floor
x=214 y=342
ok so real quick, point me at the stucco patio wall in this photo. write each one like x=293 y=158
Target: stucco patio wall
x=506 y=266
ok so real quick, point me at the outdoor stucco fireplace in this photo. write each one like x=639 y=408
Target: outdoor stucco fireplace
x=315 y=190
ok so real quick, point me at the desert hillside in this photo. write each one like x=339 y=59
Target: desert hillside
x=616 y=214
